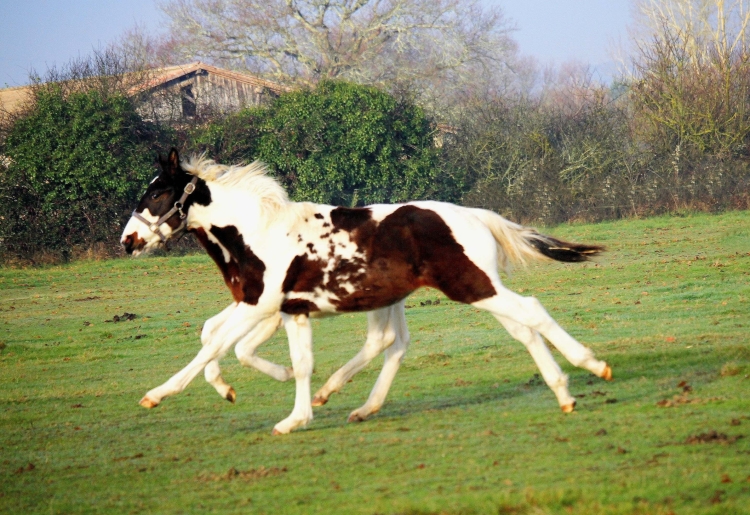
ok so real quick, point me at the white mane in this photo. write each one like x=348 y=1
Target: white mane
x=252 y=178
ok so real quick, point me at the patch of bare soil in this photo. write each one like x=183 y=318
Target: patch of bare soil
x=246 y=475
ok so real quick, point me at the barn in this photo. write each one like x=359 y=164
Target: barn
x=180 y=93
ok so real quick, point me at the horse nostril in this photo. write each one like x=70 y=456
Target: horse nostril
x=127 y=242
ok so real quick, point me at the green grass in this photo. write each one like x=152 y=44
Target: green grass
x=467 y=427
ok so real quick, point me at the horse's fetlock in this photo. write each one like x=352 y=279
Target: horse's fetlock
x=560 y=382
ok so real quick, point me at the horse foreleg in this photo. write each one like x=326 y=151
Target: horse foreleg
x=299 y=332
x=393 y=357
x=245 y=351
x=243 y=320
x=212 y=371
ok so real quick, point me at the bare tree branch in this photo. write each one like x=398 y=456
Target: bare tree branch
x=430 y=42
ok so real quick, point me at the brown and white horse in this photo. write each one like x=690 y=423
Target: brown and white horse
x=286 y=261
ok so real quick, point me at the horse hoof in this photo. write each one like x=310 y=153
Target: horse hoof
x=231 y=395
x=319 y=401
x=568 y=408
x=607 y=373
x=355 y=417
x=148 y=403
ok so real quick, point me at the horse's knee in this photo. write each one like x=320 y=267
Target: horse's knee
x=522 y=333
x=207 y=332
x=245 y=361
x=377 y=343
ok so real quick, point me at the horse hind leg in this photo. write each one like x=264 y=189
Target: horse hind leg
x=393 y=357
x=550 y=370
x=529 y=312
x=380 y=336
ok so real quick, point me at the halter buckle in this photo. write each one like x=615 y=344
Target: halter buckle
x=178 y=206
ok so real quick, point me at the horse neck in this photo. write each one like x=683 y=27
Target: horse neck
x=229 y=207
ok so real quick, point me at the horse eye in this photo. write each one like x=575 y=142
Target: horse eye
x=157 y=194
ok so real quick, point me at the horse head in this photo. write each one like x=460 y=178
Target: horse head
x=161 y=214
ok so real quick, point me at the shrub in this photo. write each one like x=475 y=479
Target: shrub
x=75 y=164
x=339 y=143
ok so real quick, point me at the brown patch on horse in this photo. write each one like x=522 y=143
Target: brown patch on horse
x=348 y=219
x=303 y=274
x=250 y=267
x=298 y=307
x=229 y=270
x=411 y=247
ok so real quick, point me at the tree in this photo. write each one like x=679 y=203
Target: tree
x=75 y=163
x=432 y=43
x=691 y=76
x=707 y=29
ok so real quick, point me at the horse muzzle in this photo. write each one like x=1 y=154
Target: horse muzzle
x=132 y=243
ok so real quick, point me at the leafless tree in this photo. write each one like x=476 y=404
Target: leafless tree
x=691 y=74
x=419 y=42
x=707 y=29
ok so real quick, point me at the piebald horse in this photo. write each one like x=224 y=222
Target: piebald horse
x=287 y=261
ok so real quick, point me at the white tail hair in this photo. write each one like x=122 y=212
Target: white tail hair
x=517 y=245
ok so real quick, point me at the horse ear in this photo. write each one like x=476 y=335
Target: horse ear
x=174 y=158
x=172 y=164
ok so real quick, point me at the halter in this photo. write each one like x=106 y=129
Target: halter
x=154 y=226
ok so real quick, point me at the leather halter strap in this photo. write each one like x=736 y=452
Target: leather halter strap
x=176 y=208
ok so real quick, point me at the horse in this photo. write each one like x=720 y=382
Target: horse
x=285 y=262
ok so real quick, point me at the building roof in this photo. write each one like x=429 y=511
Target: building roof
x=162 y=76
x=12 y=99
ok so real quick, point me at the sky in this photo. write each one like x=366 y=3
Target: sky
x=37 y=34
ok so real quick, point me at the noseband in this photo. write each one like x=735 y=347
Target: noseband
x=177 y=208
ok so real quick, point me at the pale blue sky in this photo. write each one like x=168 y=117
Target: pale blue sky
x=41 y=33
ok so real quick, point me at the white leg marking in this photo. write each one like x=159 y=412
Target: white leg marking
x=299 y=331
x=528 y=312
x=245 y=351
x=394 y=354
x=551 y=372
x=212 y=371
x=243 y=319
x=380 y=336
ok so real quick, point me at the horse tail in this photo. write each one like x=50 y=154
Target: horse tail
x=519 y=245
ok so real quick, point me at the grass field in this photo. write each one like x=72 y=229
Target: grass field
x=468 y=426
